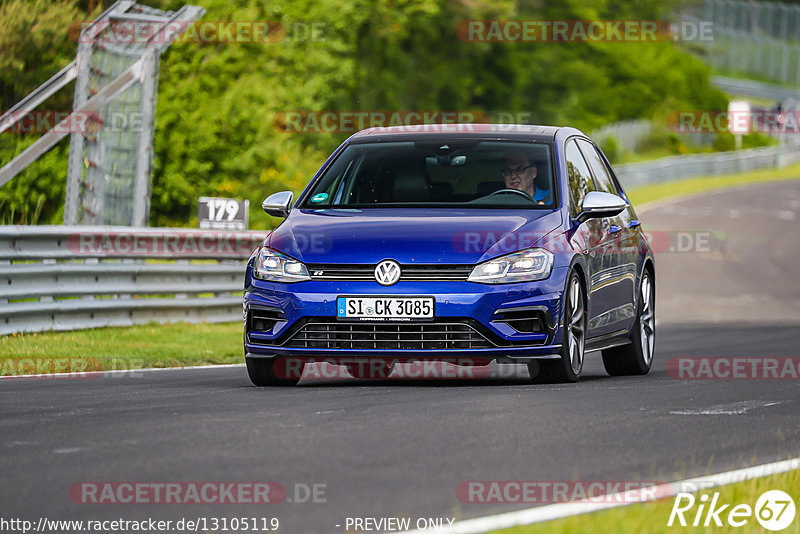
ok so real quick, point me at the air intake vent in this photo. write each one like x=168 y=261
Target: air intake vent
x=263 y=319
x=387 y=336
x=528 y=320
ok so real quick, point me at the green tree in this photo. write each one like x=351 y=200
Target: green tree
x=220 y=104
x=34 y=45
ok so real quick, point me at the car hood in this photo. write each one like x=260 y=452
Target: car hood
x=409 y=235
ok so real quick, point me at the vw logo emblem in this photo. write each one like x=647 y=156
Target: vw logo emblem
x=387 y=272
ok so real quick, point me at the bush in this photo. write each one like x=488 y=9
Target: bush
x=610 y=147
x=217 y=102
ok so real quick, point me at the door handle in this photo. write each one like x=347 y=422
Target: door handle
x=614 y=228
x=634 y=223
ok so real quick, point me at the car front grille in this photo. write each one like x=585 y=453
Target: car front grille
x=422 y=272
x=437 y=335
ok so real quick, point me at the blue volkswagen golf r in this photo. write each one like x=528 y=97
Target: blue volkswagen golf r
x=462 y=243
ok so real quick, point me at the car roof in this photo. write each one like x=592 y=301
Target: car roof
x=509 y=132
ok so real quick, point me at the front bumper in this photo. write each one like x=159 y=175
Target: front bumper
x=480 y=306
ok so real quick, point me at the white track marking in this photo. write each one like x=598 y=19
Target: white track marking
x=126 y=371
x=550 y=512
x=736 y=408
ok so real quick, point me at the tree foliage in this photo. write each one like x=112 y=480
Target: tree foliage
x=218 y=103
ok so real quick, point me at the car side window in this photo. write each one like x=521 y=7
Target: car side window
x=580 y=180
x=604 y=181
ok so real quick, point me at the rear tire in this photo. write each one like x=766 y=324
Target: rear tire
x=636 y=358
x=569 y=366
x=272 y=372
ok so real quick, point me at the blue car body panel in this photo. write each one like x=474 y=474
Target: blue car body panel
x=411 y=235
x=609 y=253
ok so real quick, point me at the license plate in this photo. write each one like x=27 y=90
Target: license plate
x=385 y=308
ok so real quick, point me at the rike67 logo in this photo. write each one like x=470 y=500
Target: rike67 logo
x=774 y=510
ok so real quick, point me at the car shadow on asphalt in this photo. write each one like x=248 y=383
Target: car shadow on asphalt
x=399 y=382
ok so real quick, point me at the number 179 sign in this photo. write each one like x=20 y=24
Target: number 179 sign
x=222 y=213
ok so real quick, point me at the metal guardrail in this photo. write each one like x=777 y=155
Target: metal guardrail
x=761 y=38
x=740 y=52
x=777 y=20
x=756 y=89
x=71 y=277
x=680 y=167
x=627 y=133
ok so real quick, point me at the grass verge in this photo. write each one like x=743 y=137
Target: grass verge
x=653 y=517
x=134 y=347
x=651 y=193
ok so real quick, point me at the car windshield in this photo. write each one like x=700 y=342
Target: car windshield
x=443 y=173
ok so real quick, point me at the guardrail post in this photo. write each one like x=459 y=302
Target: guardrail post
x=75 y=165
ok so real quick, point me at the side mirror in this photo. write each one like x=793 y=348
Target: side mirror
x=597 y=204
x=278 y=204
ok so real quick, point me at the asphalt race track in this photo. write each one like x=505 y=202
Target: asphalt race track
x=401 y=447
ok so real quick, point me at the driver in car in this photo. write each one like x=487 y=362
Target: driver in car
x=519 y=173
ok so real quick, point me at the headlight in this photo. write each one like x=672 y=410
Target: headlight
x=277 y=267
x=523 y=266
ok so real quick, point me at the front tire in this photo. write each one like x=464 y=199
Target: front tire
x=273 y=372
x=636 y=358
x=569 y=366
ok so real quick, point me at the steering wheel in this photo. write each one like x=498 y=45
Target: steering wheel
x=517 y=191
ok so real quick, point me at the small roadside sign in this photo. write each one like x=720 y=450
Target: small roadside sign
x=222 y=213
